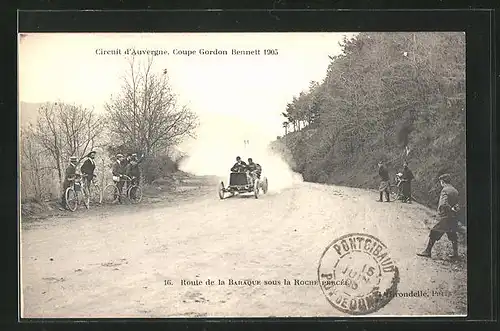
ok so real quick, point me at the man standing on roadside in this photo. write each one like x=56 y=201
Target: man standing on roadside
x=69 y=178
x=118 y=170
x=384 y=182
x=126 y=161
x=447 y=216
x=132 y=169
x=406 y=179
x=88 y=168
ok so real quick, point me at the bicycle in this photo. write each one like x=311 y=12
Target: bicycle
x=93 y=188
x=395 y=190
x=73 y=195
x=133 y=191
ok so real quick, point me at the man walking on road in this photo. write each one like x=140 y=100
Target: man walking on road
x=384 y=182
x=447 y=217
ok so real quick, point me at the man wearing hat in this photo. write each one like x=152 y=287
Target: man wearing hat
x=384 y=182
x=447 y=217
x=118 y=170
x=88 y=168
x=69 y=177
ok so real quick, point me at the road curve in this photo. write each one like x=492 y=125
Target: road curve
x=119 y=262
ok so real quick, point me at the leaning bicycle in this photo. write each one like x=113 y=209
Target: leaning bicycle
x=92 y=188
x=131 y=191
x=76 y=193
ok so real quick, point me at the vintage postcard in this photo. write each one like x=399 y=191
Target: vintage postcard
x=242 y=175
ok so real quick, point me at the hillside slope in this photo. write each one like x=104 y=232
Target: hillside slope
x=390 y=97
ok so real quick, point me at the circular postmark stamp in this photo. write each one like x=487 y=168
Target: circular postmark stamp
x=357 y=274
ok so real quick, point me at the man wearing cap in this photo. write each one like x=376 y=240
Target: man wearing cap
x=384 y=182
x=447 y=217
x=117 y=171
x=88 y=168
x=69 y=177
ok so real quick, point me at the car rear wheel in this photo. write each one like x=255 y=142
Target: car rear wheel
x=256 y=188
x=264 y=185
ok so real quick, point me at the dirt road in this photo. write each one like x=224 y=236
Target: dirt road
x=119 y=261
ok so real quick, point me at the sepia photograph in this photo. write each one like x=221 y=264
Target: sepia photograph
x=241 y=175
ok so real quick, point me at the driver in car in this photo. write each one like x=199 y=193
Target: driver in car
x=239 y=166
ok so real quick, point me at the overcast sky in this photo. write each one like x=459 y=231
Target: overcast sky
x=235 y=96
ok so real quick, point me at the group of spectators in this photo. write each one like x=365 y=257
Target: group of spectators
x=403 y=183
x=124 y=168
x=87 y=171
x=447 y=210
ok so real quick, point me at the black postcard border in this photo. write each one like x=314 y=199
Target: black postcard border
x=481 y=119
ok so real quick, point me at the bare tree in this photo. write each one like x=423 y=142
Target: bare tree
x=146 y=115
x=81 y=129
x=64 y=130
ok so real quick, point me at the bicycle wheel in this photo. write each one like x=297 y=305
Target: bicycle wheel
x=71 y=199
x=96 y=194
x=110 y=194
x=134 y=193
x=395 y=193
x=265 y=185
x=86 y=196
x=256 y=188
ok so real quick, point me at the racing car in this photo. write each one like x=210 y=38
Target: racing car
x=243 y=182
